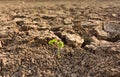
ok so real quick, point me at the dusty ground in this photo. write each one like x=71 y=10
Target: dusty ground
x=89 y=29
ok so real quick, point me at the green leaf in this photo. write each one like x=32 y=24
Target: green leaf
x=53 y=41
x=60 y=44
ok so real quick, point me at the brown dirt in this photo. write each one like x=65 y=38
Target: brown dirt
x=22 y=54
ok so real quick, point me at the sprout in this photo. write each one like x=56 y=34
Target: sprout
x=59 y=44
x=53 y=41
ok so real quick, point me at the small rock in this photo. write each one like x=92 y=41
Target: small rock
x=18 y=19
x=103 y=45
x=29 y=27
x=67 y=28
x=88 y=24
x=95 y=43
x=4 y=61
x=109 y=31
x=92 y=46
x=95 y=40
x=3 y=33
x=96 y=22
x=114 y=15
x=0 y=44
x=100 y=42
x=62 y=28
x=113 y=48
x=101 y=34
x=73 y=39
x=68 y=21
x=43 y=25
x=113 y=29
x=85 y=23
x=74 y=75
x=94 y=16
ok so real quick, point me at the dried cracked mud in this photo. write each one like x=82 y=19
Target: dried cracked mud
x=89 y=29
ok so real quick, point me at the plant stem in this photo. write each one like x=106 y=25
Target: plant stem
x=58 y=53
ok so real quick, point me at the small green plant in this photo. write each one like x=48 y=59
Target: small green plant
x=59 y=44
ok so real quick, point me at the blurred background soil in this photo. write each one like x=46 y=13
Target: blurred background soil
x=90 y=30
